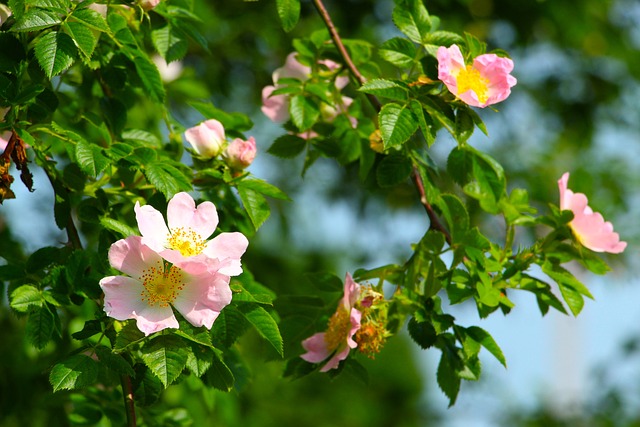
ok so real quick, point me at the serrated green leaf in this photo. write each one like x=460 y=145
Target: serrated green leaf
x=397 y=124
x=148 y=73
x=82 y=36
x=486 y=340
x=25 y=297
x=114 y=361
x=264 y=324
x=55 y=52
x=447 y=377
x=199 y=360
x=423 y=333
x=393 y=170
x=169 y=43
x=119 y=227
x=90 y=328
x=128 y=335
x=255 y=204
x=36 y=19
x=287 y=146
x=90 y=18
x=166 y=357
x=228 y=327
x=289 y=13
x=219 y=375
x=392 y=89
x=76 y=371
x=325 y=282
x=168 y=179
x=304 y=112
x=443 y=38
x=424 y=121
x=40 y=326
x=571 y=288
x=399 y=51
x=147 y=387
x=464 y=125
x=90 y=158
x=412 y=18
x=43 y=258
x=263 y=187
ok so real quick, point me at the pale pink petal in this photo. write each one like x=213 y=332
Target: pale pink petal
x=152 y=226
x=207 y=138
x=122 y=296
x=275 y=107
x=450 y=62
x=496 y=69
x=316 y=347
x=203 y=298
x=351 y=292
x=154 y=319
x=292 y=69
x=335 y=359
x=182 y=213
x=228 y=248
x=132 y=257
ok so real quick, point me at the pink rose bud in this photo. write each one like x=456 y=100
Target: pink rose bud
x=207 y=139
x=240 y=154
x=148 y=4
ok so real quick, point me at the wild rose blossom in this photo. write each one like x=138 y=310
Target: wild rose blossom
x=589 y=227
x=240 y=154
x=152 y=287
x=185 y=238
x=207 y=138
x=337 y=341
x=276 y=107
x=485 y=82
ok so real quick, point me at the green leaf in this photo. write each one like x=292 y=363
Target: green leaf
x=89 y=18
x=263 y=187
x=255 y=204
x=25 y=297
x=114 y=361
x=304 y=112
x=82 y=36
x=237 y=121
x=118 y=227
x=219 y=375
x=264 y=324
x=289 y=13
x=199 y=359
x=168 y=179
x=447 y=378
x=399 y=52
x=423 y=333
x=90 y=158
x=74 y=372
x=287 y=146
x=169 y=43
x=325 y=282
x=149 y=74
x=90 y=328
x=55 y=52
x=166 y=357
x=394 y=169
x=391 y=89
x=443 y=38
x=397 y=125
x=412 y=18
x=128 y=335
x=424 y=121
x=464 y=125
x=40 y=325
x=486 y=340
x=570 y=287
x=36 y=19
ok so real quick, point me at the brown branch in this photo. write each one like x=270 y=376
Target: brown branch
x=343 y=50
x=433 y=218
x=129 y=402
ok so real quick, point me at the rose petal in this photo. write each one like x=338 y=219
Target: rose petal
x=316 y=348
x=203 y=298
x=152 y=226
x=132 y=257
x=182 y=213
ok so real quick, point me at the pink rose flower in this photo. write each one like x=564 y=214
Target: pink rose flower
x=337 y=341
x=4 y=139
x=152 y=287
x=588 y=226
x=275 y=107
x=185 y=241
x=207 y=138
x=240 y=154
x=485 y=82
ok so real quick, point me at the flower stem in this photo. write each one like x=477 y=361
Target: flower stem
x=433 y=218
x=129 y=403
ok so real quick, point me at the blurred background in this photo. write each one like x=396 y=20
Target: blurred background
x=576 y=108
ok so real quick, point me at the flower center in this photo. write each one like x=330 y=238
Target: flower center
x=470 y=79
x=162 y=284
x=188 y=242
x=338 y=329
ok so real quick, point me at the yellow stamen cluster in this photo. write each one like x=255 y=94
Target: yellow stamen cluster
x=188 y=242
x=338 y=329
x=372 y=334
x=370 y=338
x=470 y=79
x=162 y=284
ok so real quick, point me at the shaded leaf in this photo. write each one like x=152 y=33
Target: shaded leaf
x=74 y=372
x=55 y=52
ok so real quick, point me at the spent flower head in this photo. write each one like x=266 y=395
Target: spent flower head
x=589 y=227
x=487 y=81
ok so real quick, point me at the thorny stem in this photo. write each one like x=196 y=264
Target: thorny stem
x=433 y=218
x=129 y=403
x=343 y=51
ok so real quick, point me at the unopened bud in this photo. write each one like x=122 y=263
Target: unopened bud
x=207 y=139
x=240 y=154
